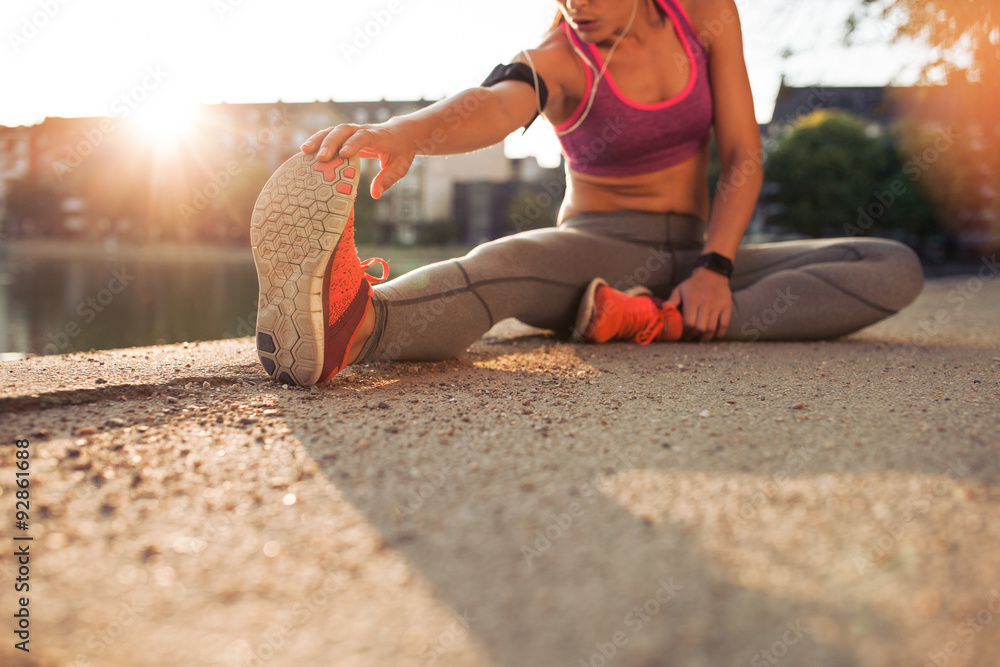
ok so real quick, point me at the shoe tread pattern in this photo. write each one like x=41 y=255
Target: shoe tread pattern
x=297 y=222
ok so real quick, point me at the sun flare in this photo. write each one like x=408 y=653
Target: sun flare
x=167 y=122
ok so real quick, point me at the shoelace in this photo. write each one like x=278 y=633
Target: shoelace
x=644 y=330
x=372 y=262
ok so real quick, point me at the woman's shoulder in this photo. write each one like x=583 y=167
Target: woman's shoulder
x=554 y=56
x=702 y=8
x=555 y=43
x=710 y=17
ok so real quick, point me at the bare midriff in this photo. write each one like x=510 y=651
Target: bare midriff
x=682 y=188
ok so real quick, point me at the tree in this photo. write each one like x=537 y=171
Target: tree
x=963 y=36
x=963 y=33
x=898 y=203
x=825 y=169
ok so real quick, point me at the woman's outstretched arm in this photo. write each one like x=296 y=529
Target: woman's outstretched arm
x=468 y=121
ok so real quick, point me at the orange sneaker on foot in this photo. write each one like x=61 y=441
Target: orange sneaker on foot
x=313 y=288
x=606 y=314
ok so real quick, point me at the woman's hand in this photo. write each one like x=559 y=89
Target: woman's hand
x=706 y=304
x=394 y=153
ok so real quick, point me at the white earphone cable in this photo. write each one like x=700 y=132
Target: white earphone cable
x=604 y=68
x=534 y=75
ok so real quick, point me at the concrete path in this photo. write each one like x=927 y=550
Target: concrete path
x=532 y=503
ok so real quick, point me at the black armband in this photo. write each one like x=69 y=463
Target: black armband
x=523 y=73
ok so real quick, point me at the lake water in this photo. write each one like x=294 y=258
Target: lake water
x=58 y=297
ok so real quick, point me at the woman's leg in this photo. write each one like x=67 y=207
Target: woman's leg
x=797 y=290
x=539 y=277
x=806 y=290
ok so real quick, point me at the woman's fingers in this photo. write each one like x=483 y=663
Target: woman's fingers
x=701 y=323
x=327 y=143
x=393 y=169
x=364 y=143
x=312 y=143
x=711 y=326
x=675 y=298
x=690 y=312
x=724 y=319
x=348 y=141
x=700 y=328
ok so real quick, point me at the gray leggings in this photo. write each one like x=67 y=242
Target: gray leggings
x=794 y=290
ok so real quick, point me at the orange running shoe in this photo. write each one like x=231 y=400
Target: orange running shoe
x=606 y=314
x=314 y=291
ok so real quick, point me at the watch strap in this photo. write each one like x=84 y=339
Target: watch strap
x=720 y=264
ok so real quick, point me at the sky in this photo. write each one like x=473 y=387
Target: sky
x=99 y=57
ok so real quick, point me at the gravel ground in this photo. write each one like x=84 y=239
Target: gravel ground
x=531 y=503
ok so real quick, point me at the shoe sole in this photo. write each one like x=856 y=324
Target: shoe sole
x=586 y=311
x=297 y=222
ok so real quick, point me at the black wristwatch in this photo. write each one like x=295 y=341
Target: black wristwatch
x=713 y=261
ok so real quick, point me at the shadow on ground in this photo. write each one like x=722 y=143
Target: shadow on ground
x=533 y=503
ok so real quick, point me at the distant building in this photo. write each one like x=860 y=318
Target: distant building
x=15 y=161
x=865 y=102
x=530 y=199
x=265 y=134
x=877 y=106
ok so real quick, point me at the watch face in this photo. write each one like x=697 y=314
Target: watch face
x=716 y=262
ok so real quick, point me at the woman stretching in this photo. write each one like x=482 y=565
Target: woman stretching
x=633 y=89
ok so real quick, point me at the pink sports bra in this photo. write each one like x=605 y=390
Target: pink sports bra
x=620 y=137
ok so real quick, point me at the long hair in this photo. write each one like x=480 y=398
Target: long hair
x=559 y=16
